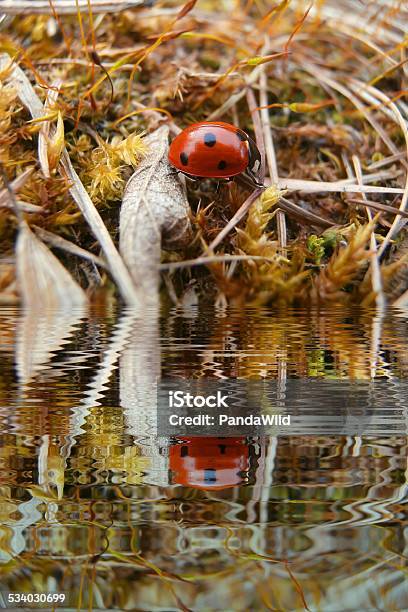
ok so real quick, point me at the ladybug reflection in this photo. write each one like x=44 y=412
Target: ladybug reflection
x=209 y=463
x=214 y=149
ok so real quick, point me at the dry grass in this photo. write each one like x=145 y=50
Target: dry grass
x=320 y=86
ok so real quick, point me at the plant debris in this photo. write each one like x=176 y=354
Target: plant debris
x=154 y=204
x=85 y=92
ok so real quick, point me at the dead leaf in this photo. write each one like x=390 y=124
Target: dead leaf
x=154 y=208
x=43 y=281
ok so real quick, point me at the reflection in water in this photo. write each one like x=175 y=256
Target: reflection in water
x=209 y=463
x=94 y=504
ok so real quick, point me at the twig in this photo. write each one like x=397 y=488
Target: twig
x=387 y=160
x=42 y=279
x=65 y=7
x=235 y=98
x=241 y=212
x=378 y=206
x=15 y=186
x=266 y=127
x=271 y=156
x=203 y=261
x=116 y=264
x=289 y=184
x=298 y=211
x=23 y=206
x=78 y=62
x=252 y=105
x=68 y=246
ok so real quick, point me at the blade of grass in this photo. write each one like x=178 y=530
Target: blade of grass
x=271 y=155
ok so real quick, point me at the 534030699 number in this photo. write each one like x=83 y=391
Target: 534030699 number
x=35 y=598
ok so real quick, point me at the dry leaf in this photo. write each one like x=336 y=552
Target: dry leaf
x=154 y=208
x=50 y=147
x=56 y=144
x=43 y=281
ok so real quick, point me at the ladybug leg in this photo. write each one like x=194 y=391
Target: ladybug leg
x=173 y=172
x=223 y=181
x=193 y=180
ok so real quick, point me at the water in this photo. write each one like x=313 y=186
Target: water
x=94 y=505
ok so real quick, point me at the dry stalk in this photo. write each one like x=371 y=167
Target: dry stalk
x=65 y=7
x=271 y=157
x=386 y=161
x=335 y=187
x=203 y=261
x=304 y=215
x=235 y=98
x=378 y=206
x=154 y=207
x=69 y=247
x=15 y=186
x=252 y=105
x=240 y=214
x=117 y=267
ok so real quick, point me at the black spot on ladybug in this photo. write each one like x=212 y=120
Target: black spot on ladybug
x=184 y=451
x=222 y=165
x=242 y=136
x=210 y=139
x=209 y=475
x=184 y=158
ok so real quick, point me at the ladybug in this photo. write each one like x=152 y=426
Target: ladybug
x=213 y=149
x=209 y=463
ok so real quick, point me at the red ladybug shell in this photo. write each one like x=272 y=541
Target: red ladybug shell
x=213 y=149
x=209 y=463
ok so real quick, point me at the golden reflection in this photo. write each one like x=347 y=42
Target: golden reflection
x=92 y=501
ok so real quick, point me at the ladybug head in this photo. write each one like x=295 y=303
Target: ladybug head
x=209 y=463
